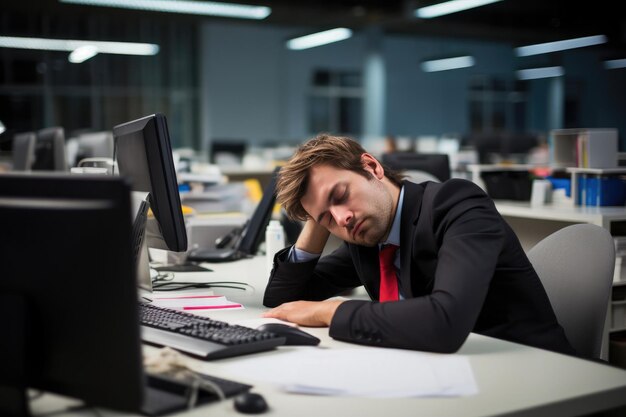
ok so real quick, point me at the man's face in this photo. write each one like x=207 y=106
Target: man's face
x=352 y=207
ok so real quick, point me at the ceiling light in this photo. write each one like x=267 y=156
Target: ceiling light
x=2 y=128
x=545 y=72
x=449 y=7
x=545 y=48
x=205 y=8
x=124 y=48
x=448 y=63
x=319 y=38
x=82 y=54
x=615 y=63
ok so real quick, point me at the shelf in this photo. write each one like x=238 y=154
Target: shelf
x=600 y=171
x=599 y=215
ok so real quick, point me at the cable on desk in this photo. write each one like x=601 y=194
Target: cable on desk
x=180 y=285
x=171 y=363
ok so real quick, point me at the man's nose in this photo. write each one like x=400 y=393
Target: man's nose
x=343 y=216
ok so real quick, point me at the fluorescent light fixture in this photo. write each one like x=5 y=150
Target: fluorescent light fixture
x=448 y=63
x=205 y=8
x=449 y=7
x=2 y=128
x=545 y=72
x=69 y=45
x=615 y=63
x=546 y=48
x=82 y=54
x=319 y=38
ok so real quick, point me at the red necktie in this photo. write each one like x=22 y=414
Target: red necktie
x=388 y=278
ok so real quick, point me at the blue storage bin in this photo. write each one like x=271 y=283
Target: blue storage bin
x=561 y=183
x=601 y=191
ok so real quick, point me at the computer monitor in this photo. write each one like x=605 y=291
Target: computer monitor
x=500 y=144
x=254 y=232
x=437 y=165
x=68 y=294
x=94 y=145
x=50 y=150
x=227 y=151
x=24 y=151
x=144 y=155
x=250 y=237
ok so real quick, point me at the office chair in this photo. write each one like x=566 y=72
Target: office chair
x=434 y=165
x=575 y=265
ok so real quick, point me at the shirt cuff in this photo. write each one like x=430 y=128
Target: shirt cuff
x=298 y=255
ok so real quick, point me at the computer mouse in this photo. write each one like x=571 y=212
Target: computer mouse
x=250 y=403
x=293 y=335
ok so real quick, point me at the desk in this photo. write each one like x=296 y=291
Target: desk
x=513 y=380
x=531 y=224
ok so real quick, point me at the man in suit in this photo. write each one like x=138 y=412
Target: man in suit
x=459 y=267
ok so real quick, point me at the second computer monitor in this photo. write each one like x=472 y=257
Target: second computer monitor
x=50 y=150
x=144 y=155
x=24 y=151
x=255 y=229
x=94 y=145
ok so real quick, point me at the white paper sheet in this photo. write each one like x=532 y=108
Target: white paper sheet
x=196 y=302
x=373 y=372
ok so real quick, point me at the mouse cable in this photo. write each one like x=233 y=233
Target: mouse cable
x=178 y=285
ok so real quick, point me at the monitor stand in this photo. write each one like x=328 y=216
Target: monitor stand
x=141 y=256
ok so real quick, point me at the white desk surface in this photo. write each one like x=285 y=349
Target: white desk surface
x=566 y=213
x=513 y=379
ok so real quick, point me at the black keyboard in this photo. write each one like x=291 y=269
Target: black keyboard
x=200 y=336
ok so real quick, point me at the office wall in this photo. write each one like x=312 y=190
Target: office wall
x=243 y=80
x=421 y=103
x=256 y=89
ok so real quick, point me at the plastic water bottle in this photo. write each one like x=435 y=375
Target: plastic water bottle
x=274 y=241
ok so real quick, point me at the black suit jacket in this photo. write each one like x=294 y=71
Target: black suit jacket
x=462 y=270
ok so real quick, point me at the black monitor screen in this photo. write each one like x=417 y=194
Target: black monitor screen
x=50 y=150
x=255 y=229
x=24 y=151
x=144 y=154
x=94 y=145
x=68 y=294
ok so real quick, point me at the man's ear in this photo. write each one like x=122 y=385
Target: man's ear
x=371 y=164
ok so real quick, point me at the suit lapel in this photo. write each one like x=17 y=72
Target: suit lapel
x=413 y=194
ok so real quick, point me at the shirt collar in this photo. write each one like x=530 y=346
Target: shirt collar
x=394 y=233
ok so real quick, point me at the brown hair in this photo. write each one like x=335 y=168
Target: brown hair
x=339 y=152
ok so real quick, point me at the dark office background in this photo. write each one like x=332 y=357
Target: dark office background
x=227 y=78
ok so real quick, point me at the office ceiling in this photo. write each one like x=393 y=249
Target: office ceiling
x=514 y=21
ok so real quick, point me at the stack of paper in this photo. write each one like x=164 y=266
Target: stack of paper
x=196 y=302
x=373 y=372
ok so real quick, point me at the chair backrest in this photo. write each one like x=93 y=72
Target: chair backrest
x=575 y=265
x=419 y=176
x=437 y=165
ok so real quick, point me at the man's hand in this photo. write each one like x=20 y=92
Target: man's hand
x=313 y=237
x=306 y=313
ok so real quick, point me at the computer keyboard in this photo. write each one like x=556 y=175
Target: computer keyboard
x=200 y=336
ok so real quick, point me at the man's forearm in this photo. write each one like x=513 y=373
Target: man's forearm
x=313 y=237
